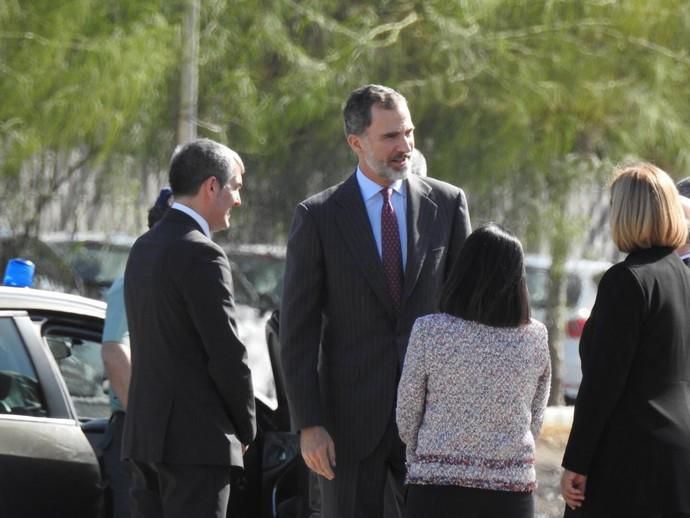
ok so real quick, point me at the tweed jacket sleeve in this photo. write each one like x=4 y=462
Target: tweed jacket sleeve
x=412 y=388
x=541 y=395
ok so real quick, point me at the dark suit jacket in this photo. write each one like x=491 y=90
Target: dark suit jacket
x=631 y=431
x=191 y=395
x=342 y=342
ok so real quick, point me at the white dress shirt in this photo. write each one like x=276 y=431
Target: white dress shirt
x=194 y=215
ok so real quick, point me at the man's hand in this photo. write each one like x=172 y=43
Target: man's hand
x=318 y=451
x=573 y=488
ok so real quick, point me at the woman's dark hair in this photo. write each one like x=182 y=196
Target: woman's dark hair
x=160 y=207
x=487 y=281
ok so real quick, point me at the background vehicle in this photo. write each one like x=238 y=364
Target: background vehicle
x=581 y=288
x=263 y=266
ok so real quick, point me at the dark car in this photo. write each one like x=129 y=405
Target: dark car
x=48 y=466
x=54 y=409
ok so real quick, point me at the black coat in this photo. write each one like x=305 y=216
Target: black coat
x=631 y=430
x=343 y=343
x=191 y=399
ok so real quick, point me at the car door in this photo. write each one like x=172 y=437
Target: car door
x=47 y=466
x=81 y=366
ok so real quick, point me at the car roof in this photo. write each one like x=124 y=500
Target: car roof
x=43 y=300
x=544 y=261
x=114 y=239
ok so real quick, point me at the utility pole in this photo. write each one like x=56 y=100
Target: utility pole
x=189 y=84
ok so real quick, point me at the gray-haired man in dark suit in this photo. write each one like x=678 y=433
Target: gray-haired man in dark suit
x=191 y=403
x=365 y=258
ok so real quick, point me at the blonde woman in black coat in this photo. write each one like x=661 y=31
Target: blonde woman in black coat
x=628 y=454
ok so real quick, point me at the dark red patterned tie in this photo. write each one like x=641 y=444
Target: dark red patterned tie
x=390 y=247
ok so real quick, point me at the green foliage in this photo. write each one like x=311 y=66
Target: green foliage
x=507 y=95
x=75 y=78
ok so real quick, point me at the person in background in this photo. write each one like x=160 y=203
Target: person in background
x=628 y=454
x=684 y=190
x=365 y=258
x=418 y=163
x=683 y=187
x=474 y=388
x=117 y=364
x=191 y=409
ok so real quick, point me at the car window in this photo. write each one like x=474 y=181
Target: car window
x=96 y=263
x=538 y=287
x=20 y=392
x=243 y=290
x=573 y=290
x=82 y=369
x=264 y=272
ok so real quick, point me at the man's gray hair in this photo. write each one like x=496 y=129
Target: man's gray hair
x=194 y=162
x=357 y=111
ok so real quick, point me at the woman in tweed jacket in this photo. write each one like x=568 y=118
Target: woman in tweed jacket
x=474 y=388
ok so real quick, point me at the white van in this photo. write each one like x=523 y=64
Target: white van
x=581 y=289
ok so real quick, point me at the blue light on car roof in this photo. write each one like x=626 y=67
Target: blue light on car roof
x=19 y=272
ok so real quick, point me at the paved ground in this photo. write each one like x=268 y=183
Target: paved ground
x=550 y=445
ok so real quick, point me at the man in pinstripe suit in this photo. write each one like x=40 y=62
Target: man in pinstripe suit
x=365 y=258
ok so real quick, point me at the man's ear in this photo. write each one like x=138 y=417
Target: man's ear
x=208 y=186
x=355 y=143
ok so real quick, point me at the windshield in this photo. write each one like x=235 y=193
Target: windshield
x=96 y=263
x=265 y=272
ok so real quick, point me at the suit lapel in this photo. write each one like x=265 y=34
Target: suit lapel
x=353 y=222
x=421 y=213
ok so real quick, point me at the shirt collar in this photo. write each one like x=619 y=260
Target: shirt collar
x=370 y=188
x=195 y=216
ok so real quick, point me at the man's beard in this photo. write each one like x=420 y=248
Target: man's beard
x=385 y=171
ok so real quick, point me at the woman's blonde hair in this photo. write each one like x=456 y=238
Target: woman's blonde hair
x=646 y=209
